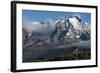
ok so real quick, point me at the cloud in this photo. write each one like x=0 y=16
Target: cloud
x=37 y=26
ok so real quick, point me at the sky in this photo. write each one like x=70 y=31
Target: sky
x=36 y=15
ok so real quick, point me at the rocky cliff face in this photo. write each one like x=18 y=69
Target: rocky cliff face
x=69 y=30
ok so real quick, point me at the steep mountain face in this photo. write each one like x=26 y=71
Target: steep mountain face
x=60 y=32
x=69 y=30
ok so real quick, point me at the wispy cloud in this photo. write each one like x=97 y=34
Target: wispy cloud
x=37 y=26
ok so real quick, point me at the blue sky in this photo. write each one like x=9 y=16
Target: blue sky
x=34 y=15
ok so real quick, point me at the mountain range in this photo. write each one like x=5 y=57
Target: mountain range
x=55 y=33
